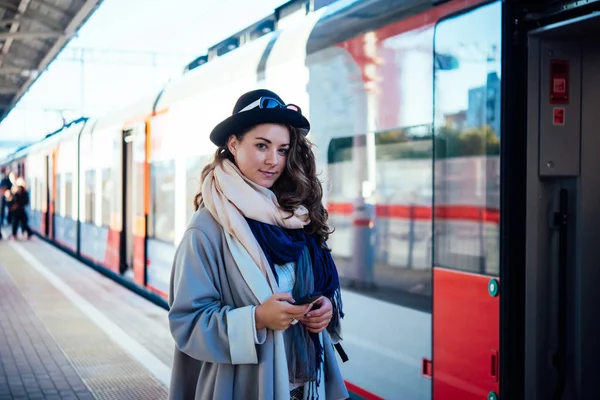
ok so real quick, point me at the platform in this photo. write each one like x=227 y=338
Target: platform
x=68 y=332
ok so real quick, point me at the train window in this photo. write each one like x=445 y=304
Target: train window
x=33 y=197
x=391 y=170
x=107 y=194
x=57 y=194
x=68 y=194
x=162 y=201
x=38 y=194
x=114 y=189
x=90 y=196
x=467 y=141
x=139 y=194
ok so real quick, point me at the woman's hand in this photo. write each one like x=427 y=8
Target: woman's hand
x=317 y=320
x=277 y=314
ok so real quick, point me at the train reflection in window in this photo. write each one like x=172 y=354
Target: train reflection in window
x=402 y=199
x=89 y=206
x=107 y=194
x=467 y=143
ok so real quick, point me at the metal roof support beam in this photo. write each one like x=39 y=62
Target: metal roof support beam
x=31 y=15
x=31 y=35
x=9 y=90
x=10 y=21
x=29 y=46
x=23 y=4
x=41 y=18
x=55 y=8
x=9 y=6
x=17 y=71
x=83 y=14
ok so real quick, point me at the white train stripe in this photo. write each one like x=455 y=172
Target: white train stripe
x=380 y=350
x=139 y=353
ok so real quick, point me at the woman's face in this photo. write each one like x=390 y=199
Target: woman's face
x=261 y=155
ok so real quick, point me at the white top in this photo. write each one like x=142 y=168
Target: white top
x=287 y=276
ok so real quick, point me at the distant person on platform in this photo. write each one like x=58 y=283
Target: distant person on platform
x=12 y=177
x=5 y=185
x=18 y=207
x=254 y=248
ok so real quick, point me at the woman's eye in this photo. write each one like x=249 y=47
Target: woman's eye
x=261 y=146
x=284 y=151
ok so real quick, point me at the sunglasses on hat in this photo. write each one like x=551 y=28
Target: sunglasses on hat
x=270 y=102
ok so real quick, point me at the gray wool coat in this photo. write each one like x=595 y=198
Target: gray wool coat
x=211 y=319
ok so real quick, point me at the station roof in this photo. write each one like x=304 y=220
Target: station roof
x=32 y=33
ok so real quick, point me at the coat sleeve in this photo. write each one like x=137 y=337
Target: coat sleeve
x=202 y=327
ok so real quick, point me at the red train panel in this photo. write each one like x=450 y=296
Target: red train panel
x=466 y=339
x=112 y=256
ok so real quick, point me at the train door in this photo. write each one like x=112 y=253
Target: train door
x=562 y=334
x=466 y=228
x=133 y=239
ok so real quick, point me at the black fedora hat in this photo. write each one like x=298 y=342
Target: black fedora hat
x=258 y=107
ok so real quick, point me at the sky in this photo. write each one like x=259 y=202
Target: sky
x=131 y=46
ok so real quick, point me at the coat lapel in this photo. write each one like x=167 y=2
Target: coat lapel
x=262 y=291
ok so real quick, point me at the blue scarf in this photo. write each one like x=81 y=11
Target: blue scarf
x=315 y=272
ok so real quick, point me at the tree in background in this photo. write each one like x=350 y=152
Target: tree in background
x=480 y=141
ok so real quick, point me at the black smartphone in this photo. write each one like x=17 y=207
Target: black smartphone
x=307 y=299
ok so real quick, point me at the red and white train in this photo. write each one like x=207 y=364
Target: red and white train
x=405 y=103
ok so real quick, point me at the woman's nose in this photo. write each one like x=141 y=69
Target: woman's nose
x=272 y=158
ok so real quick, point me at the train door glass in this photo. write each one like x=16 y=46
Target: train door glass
x=563 y=212
x=467 y=90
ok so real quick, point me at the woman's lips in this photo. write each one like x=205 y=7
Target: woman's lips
x=268 y=174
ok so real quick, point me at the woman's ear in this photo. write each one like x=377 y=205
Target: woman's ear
x=232 y=144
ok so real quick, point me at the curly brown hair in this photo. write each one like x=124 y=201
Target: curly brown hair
x=298 y=184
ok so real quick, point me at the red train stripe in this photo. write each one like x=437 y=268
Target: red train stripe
x=424 y=213
x=157 y=291
x=357 y=390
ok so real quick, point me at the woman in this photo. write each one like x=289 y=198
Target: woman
x=255 y=243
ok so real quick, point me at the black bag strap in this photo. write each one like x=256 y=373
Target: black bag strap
x=341 y=352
